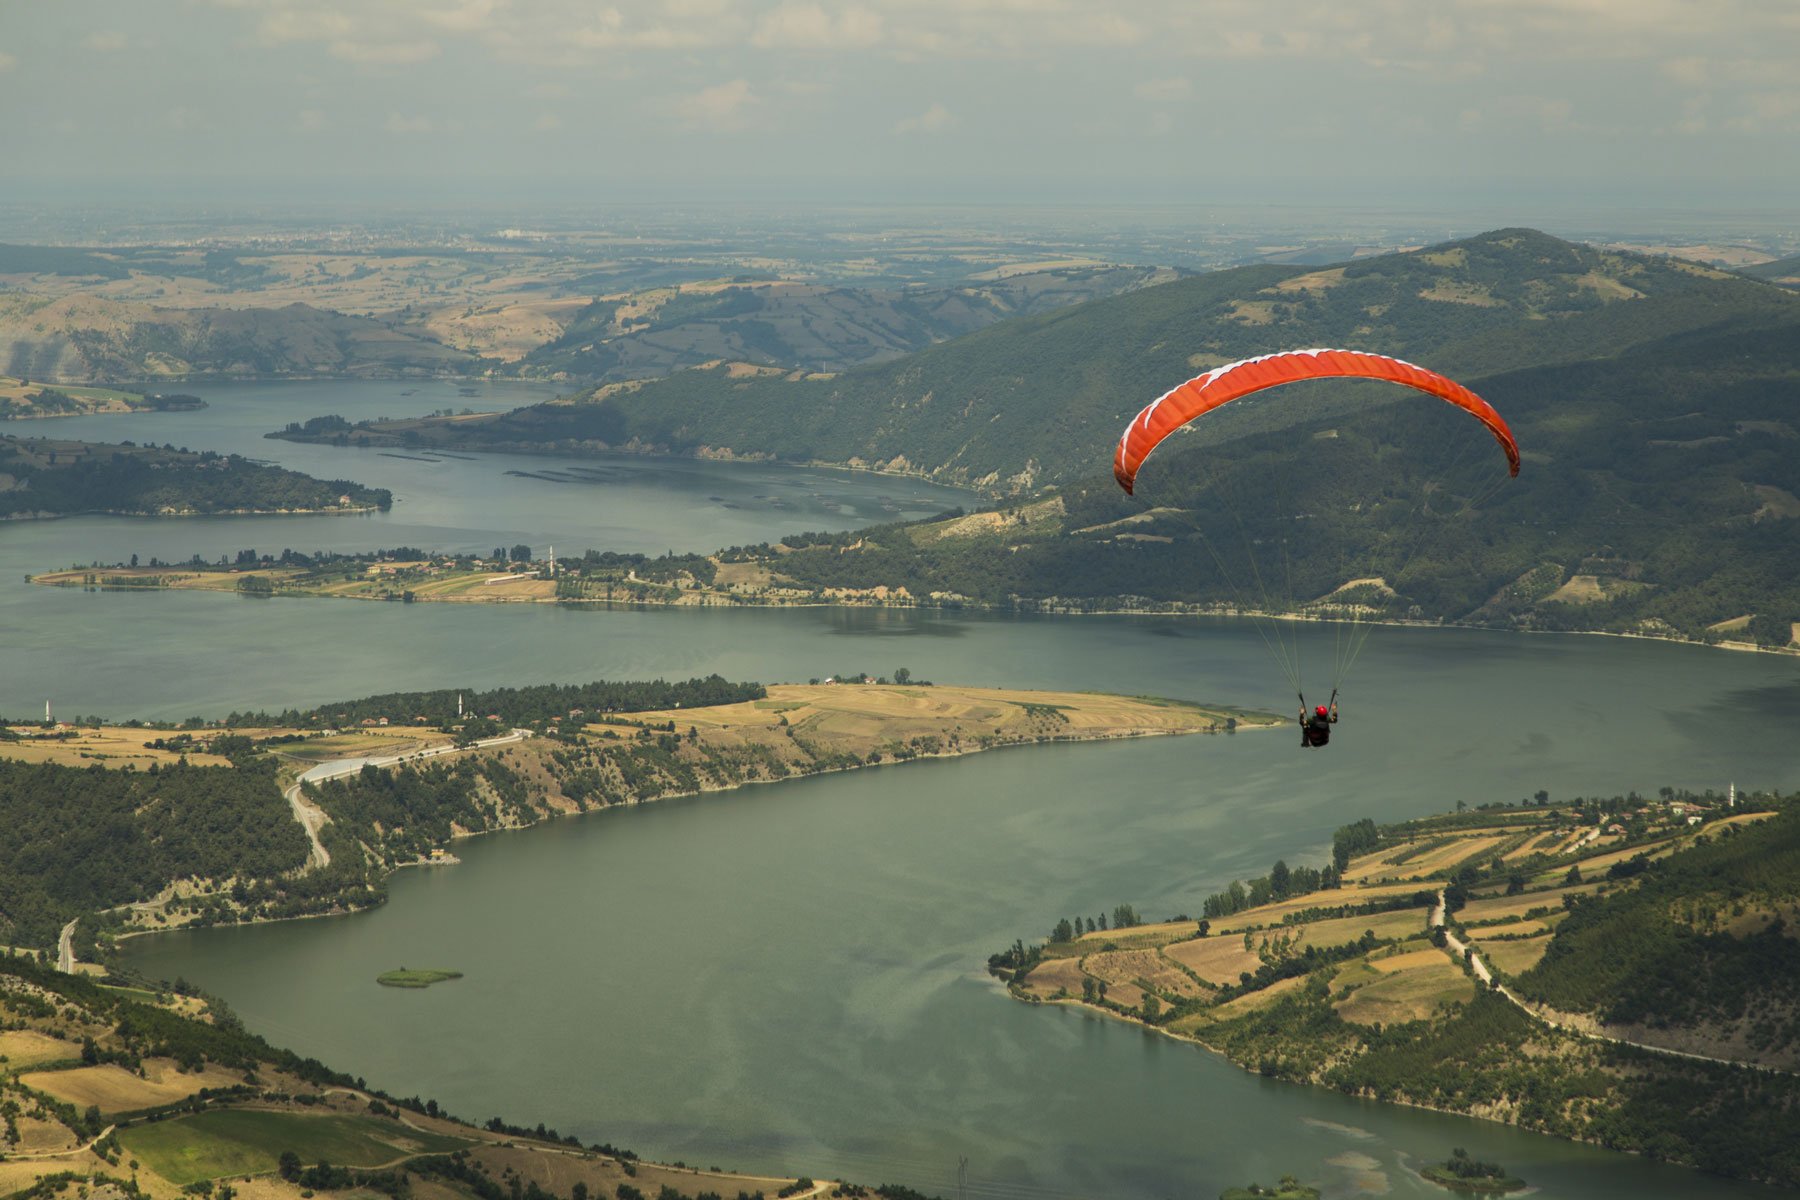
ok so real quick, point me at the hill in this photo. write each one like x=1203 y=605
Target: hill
x=1785 y=271
x=1531 y=964
x=1659 y=495
x=82 y=337
x=1039 y=400
x=45 y=477
x=805 y=327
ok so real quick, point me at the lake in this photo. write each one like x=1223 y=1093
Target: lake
x=790 y=977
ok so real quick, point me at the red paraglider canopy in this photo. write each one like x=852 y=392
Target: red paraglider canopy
x=1221 y=385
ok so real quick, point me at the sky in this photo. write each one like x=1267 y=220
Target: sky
x=1637 y=103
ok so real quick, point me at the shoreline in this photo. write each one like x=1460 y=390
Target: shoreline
x=730 y=600
x=335 y=510
x=384 y=873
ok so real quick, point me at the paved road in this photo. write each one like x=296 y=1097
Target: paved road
x=1581 y=1026
x=65 y=949
x=312 y=818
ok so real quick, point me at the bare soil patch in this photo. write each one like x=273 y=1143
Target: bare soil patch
x=1140 y=966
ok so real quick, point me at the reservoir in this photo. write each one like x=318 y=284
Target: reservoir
x=790 y=977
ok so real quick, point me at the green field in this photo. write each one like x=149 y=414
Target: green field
x=240 y=1141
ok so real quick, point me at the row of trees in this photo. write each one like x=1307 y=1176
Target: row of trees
x=532 y=705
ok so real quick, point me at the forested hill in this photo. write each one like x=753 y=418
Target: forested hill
x=1660 y=493
x=45 y=477
x=1040 y=399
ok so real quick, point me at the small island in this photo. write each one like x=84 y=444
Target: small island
x=1288 y=1188
x=415 y=977
x=1460 y=1173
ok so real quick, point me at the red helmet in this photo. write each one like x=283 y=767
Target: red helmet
x=1321 y=711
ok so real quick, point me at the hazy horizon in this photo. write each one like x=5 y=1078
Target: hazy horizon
x=1541 y=108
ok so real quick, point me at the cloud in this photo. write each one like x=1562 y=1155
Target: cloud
x=615 y=30
x=7 y=61
x=384 y=54
x=935 y=119
x=1163 y=91
x=309 y=120
x=809 y=27
x=472 y=16
x=104 y=40
x=403 y=125
x=722 y=106
x=546 y=122
x=283 y=25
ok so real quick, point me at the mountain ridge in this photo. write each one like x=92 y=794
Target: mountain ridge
x=1037 y=400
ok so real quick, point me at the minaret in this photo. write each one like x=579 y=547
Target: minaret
x=459 y=706
x=46 y=712
x=1731 y=796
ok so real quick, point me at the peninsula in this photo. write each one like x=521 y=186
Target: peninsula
x=877 y=567
x=26 y=399
x=307 y=812
x=1612 y=970
x=48 y=477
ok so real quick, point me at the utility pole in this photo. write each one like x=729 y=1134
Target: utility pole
x=962 y=1178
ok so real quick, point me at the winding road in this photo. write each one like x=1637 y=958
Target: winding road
x=312 y=818
x=1580 y=1025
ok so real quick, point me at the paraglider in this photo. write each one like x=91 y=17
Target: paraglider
x=1221 y=385
x=1194 y=398
x=1315 y=730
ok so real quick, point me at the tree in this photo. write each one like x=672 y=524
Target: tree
x=289 y=1165
x=1279 y=879
x=902 y=676
x=521 y=553
x=1574 y=876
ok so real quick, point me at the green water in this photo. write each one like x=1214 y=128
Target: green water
x=789 y=977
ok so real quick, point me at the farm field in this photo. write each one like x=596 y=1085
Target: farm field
x=112 y=1089
x=106 y=746
x=1356 y=948
x=244 y=1141
x=21 y=1049
x=863 y=718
